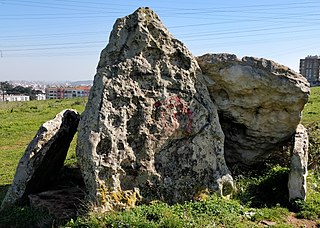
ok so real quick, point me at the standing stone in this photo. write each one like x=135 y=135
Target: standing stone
x=43 y=158
x=299 y=165
x=149 y=128
x=259 y=104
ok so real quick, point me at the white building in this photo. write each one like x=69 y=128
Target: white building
x=40 y=97
x=16 y=98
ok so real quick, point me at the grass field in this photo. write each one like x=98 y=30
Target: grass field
x=259 y=200
x=19 y=122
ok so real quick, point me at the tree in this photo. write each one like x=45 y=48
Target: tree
x=5 y=87
x=20 y=90
x=34 y=93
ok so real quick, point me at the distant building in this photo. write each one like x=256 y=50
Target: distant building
x=310 y=69
x=41 y=97
x=67 y=92
x=15 y=98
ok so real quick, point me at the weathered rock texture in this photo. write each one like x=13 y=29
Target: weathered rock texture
x=299 y=165
x=259 y=104
x=43 y=158
x=149 y=127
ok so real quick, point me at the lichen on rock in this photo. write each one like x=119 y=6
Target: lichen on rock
x=149 y=124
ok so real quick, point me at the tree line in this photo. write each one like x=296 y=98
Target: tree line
x=7 y=88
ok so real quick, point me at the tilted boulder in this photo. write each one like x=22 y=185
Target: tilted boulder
x=259 y=104
x=149 y=127
x=43 y=158
x=297 y=184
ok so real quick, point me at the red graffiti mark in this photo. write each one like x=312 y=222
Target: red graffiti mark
x=178 y=109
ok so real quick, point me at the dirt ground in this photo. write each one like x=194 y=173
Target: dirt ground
x=295 y=222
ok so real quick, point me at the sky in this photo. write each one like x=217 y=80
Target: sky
x=60 y=40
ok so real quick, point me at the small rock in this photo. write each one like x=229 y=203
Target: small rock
x=268 y=223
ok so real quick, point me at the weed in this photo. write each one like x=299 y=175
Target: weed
x=310 y=208
x=275 y=214
x=34 y=107
x=76 y=103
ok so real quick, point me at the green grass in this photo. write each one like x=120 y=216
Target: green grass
x=311 y=208
x=311 y=111
x=258 y=198
x=19 y=122
x=311 y=120
x=212 y=212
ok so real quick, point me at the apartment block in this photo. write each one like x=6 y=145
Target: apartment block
x=310 y=69
x=67 y=92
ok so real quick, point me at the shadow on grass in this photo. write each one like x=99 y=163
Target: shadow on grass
x=60 y=199
x=22 y=216
x=268 y=190
x=3 y=191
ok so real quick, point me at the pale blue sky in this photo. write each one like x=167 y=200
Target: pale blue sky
x=61 y=40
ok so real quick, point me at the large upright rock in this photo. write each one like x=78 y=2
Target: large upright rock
x=259 y=104
x=43 y=158
x=149 y=126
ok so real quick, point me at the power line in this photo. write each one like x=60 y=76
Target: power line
x=259 y=19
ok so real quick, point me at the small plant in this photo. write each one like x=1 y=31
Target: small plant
x=77 y=103
x=310 y=208
x=33 y=107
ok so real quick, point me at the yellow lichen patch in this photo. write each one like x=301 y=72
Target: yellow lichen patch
x=103 y=194
x=117 y=199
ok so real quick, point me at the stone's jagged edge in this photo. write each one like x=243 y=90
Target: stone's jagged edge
x=150 y=129
x=43 y=158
